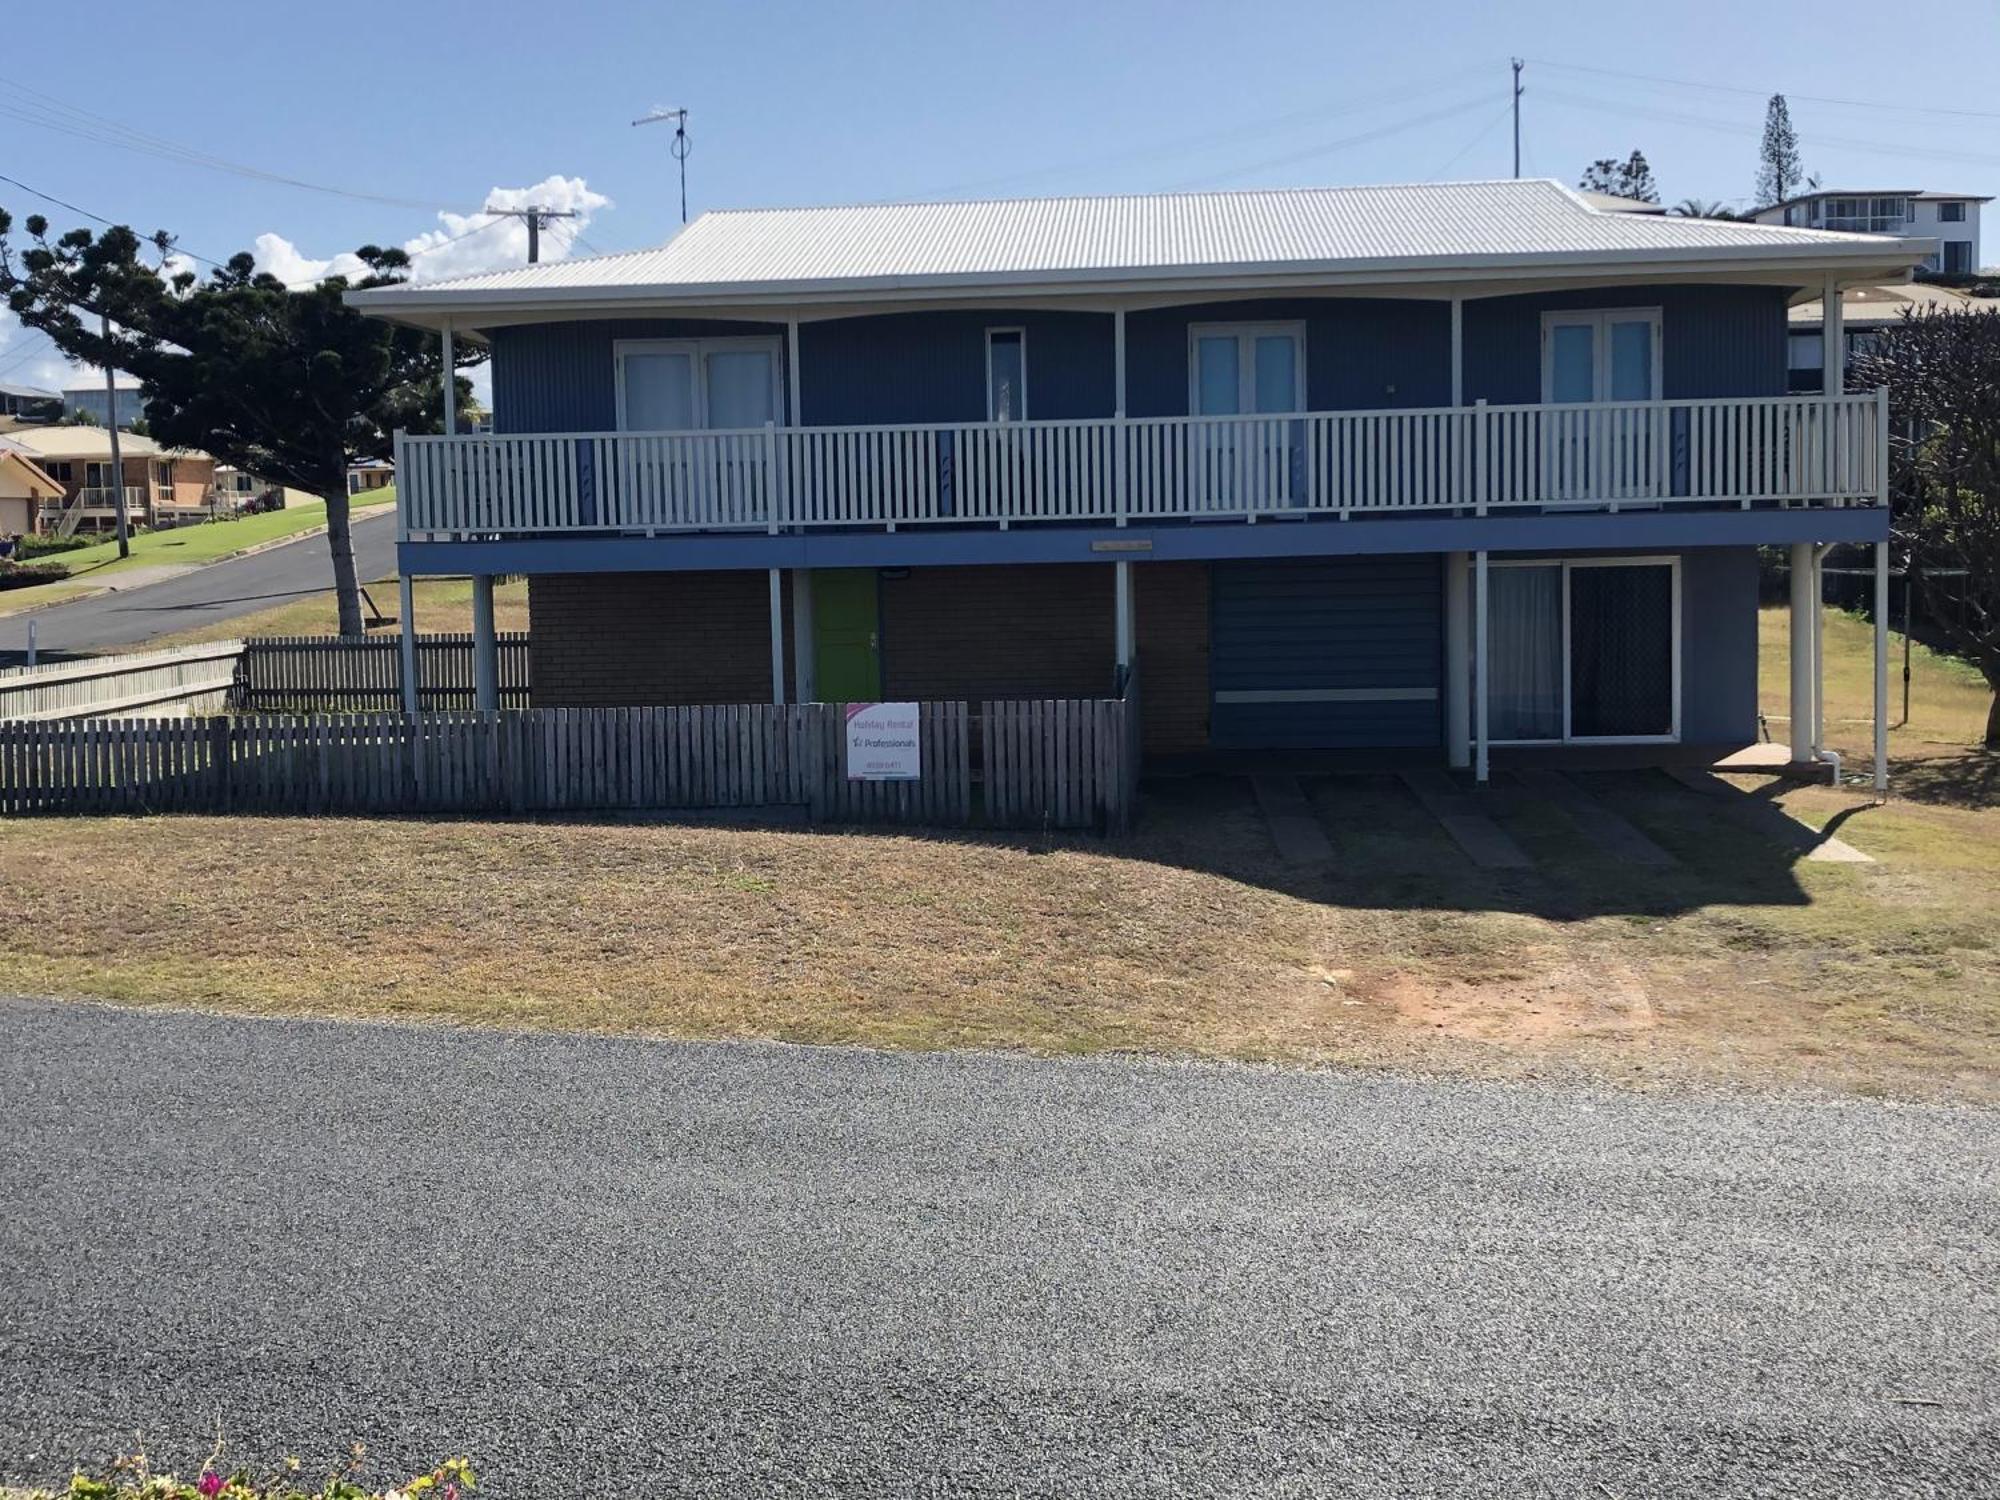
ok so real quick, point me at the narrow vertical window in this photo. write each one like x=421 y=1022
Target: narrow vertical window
x=1006 y=374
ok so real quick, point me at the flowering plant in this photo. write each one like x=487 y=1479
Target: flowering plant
x=133 y=1478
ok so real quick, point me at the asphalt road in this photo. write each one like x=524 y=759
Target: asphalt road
x=631 y=1268
x=202 y=596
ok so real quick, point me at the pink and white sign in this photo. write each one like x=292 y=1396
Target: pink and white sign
x=883 y=742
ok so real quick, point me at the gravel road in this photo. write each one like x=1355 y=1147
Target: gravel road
x=615 y=1267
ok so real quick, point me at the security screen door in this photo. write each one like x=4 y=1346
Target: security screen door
x=1583 y=650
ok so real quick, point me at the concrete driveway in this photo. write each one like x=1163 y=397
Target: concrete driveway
x=194 y=597
x=625 y=1267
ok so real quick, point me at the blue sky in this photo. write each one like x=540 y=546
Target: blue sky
x=438 y=104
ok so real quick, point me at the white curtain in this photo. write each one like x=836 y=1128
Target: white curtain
x=1524 y=653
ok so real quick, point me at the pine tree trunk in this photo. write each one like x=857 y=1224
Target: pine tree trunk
x=340 y=542
x=1993 y=723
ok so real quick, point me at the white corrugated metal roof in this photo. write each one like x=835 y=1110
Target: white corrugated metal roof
x=1042 y=241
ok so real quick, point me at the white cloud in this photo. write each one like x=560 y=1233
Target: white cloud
x=462 y=244
x=28 y=358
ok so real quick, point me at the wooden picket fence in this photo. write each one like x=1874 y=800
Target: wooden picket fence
x=1060 y=763
x=175 y=681
x=342 y=674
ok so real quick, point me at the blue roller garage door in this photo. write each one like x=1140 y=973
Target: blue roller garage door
x=1332 y=653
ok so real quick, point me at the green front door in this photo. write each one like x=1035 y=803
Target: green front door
x=847 y=628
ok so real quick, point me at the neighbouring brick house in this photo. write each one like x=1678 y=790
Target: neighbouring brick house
x=160 y=484
x=1432 y=471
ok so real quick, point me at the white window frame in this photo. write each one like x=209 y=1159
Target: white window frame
x=1568 y=564
x=1022 y=334
x=1601 y=319
x=1246 y=335
x=1951 y=211
x=1944 y=257
x=698 y=350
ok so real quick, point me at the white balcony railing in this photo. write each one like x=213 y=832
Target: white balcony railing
x=1746 y=451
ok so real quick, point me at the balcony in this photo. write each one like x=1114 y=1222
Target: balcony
x=1744 y=452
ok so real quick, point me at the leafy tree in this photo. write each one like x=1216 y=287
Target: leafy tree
x=1630 y=178
x=290 y=385
x=1779 y=169
x=1702 y=208
x=1942 y=370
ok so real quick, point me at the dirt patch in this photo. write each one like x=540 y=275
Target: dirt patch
x=1562 y=1005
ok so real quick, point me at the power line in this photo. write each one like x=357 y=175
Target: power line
x=1748 y=128
x=1730 y=88
x=1483 y=132
x=1325 y=147
x=76 y=209
x=48 y=112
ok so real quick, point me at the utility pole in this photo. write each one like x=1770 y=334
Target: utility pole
x=536 y=218
x=117 y=461
x=679 y=148
x=1517 y=116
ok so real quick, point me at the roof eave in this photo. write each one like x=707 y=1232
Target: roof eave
x=424 y=307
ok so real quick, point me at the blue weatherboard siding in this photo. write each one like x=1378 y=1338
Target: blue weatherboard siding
x=1351 y=625
x=1361 y=353
x=1714 y=340
x=931 y=366
x=559 y=377
x=1719 y=646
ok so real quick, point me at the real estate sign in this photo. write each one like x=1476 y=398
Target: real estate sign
x=883 y=742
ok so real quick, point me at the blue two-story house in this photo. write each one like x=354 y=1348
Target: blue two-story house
x=1431 y=469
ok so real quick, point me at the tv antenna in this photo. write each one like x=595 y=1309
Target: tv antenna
x=680 y=146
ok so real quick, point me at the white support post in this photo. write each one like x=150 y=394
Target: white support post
x=1125 y=630
x=406 y=622
x=804 y=647
x=1457 y=660
x=1803 y=611
x=1458 y=351
x=1882 y=669
x=777 y=635
x=1819 y=648
x=450 y=383
x=485 y=647
x=792 y=373
x=1118 y=361
x=1479 y=635
x=1833 y=339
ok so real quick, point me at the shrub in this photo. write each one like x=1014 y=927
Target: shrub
x=42 y=546
x=132 y=1478
x=15 y=575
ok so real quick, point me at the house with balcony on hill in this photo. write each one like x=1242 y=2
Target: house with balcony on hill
x=1427 y=471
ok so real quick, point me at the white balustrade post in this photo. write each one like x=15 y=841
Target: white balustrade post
x=773 y=490
x=1481 y=419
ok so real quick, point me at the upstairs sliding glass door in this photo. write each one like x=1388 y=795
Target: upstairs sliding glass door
x=1583 y=651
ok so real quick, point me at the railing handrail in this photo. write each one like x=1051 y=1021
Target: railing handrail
x=1041 y=424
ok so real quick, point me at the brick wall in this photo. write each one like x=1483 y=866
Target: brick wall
x=609 y=640
x=602 y=640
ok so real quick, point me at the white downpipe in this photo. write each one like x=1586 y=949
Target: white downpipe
x=1479 y=695
x=1457 y=661
x=805 y=647
x=1125 y=628
x=1820 y=753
